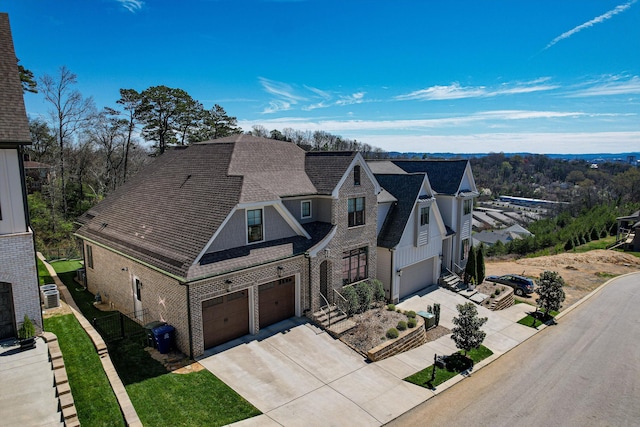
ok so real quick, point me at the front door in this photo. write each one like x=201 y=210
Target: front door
x=7 y=329
x=137 y=299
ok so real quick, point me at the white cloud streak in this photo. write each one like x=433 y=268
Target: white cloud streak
x=615 y=85
x=597 y=20
x=132 y=6
x=456 y=91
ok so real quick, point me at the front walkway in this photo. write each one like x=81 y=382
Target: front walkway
x=297 y=375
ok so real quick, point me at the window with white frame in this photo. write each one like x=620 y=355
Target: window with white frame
x=424 y=216
x=255 y=229
x=356 y=175
x=468 y=204
x=89 y=256
x=305 y=209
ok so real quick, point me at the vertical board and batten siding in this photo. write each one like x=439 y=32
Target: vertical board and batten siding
x=12 y=219
x=383 y=210
x=383 y=269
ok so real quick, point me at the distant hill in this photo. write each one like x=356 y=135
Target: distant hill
x=593 y=158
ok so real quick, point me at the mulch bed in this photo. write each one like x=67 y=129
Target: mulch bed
x=372 y=325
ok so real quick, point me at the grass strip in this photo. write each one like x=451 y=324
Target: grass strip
x=535 y=319
x=456 y=363
x=94 y=399
x=194 y=399
x=43 y=274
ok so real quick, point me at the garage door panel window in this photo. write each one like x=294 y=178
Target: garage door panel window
x=354 y=265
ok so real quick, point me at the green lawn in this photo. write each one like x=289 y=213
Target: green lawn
x=160 y=398
x=194 y=399
x=539 y=319
x=456 y=363
x=595 y=244
x=94 y=399
x=43 y=274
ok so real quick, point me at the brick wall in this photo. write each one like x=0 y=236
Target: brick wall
x=249 y=279
x=164 y=298
x=18 y=267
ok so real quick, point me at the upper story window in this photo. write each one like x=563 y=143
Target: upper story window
x=305 y=209
x=424 y=216
x=255 y=231
x=468 y=204
x=356 y=175
x=356 y=211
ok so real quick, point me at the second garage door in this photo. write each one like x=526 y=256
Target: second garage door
x=277 y=301
x=416 y=277
x=225 y=318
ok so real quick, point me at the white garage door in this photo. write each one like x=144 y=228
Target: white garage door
x=416 y=277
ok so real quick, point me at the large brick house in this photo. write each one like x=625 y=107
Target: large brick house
x=226 y=237
x=18 y=272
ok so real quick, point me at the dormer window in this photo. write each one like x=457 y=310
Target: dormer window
x=424 y=216
x=356 y=175
x=254 y=226
x=305 y=209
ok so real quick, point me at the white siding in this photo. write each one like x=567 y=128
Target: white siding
x=383 y=209
x=383 y=269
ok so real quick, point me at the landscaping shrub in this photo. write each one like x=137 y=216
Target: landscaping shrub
x=412 y=323
x=402 y=325
x=411 y=314
x=393 y=333
x=352 y=299
x=378 y=290
x=365 y=296
x=391 y=307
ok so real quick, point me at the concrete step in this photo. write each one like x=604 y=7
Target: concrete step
x=341 y=327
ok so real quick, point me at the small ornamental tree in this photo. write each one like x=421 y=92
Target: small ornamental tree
x=551 y=294
x=466 y=333
x=480 y=269
x=470 y=270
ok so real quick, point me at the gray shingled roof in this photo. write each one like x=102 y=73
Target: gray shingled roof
x=14 y=125
x=445 y=176
x=167 y=213
x=326 y=168
x=406 y=189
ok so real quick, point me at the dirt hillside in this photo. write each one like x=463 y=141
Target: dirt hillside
x=581 y=272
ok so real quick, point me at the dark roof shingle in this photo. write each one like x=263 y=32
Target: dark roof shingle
x=14 y=125
x=445 y=176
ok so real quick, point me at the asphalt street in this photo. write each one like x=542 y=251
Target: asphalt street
x=584 y=371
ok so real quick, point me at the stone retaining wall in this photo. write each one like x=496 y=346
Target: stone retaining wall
x=411 y=338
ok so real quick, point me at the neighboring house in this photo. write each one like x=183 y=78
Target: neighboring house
x=223 y=238
x=454 y=189
x=37 y=174
x=19 y=293
x=411 y=233
x=506 y=235
x=628 y=234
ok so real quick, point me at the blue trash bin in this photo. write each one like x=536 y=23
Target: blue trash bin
x=164 y=336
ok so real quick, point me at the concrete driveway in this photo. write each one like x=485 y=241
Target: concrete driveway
x=298 y=375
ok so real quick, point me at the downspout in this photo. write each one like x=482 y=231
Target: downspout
x=392 y=273
x=308 y=257
x=189 y=319
x=27 y=220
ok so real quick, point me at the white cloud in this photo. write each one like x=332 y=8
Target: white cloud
x=131 y=5
x=485 y=118
x=456 y=91
x=618 y=9
x=615 y=85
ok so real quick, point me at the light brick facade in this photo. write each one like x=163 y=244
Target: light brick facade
x=18 y=268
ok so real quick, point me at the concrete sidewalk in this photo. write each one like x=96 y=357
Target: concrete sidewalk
x=298 y=375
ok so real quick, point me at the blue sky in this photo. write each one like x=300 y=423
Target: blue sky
x=543 y=76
